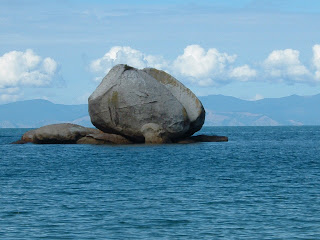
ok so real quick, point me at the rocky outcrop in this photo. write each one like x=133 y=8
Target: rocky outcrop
x=133 y=106
x=145 y=106
x=67 y=133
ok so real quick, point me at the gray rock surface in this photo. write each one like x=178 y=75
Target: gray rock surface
x=145 y=105
x=184 y=95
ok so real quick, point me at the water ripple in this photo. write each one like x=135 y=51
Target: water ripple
x=262 y=184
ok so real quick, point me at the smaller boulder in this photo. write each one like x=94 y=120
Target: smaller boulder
x=61 y=133
x=56 y=134
x=67 y=133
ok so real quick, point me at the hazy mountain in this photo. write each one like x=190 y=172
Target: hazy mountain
x=292 y=110
x=36 y=113
x=221 y=111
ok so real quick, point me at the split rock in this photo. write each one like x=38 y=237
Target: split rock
x=145 y=106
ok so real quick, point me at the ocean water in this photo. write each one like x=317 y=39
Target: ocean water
x=262 y=184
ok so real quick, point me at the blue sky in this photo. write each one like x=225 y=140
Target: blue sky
x=251 y=49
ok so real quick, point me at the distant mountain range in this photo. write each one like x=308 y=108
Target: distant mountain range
x=36 y=113
x=221 y=111
x=293 y=110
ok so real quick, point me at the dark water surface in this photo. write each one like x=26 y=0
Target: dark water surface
x=263 y=184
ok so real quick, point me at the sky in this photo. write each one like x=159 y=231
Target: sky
x=60 y=50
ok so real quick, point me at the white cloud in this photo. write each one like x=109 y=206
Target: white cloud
x=211 y=67
x=49 y=66
x=6 y=98
x=243 y=73
x=201 y=67
x=9 y=95
x=257 y=97
x=285 y=65
x=197 y=63
x=316 y=60
x=25 y=69
x=125 y=55
x=203 y=82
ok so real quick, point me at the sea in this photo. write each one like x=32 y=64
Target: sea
x=262 y=184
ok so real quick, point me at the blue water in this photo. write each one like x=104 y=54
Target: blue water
x=262 y=184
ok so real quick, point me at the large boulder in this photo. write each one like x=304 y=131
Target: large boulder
x=145 y=106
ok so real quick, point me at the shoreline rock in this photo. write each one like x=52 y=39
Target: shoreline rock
x=67 y=133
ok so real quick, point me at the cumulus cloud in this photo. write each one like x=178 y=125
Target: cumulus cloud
x=26 y=69
x=285 y=65
x=243 y=73
x=125 y=55
x=208 y=67
x=316 y=60
x=197 y=63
